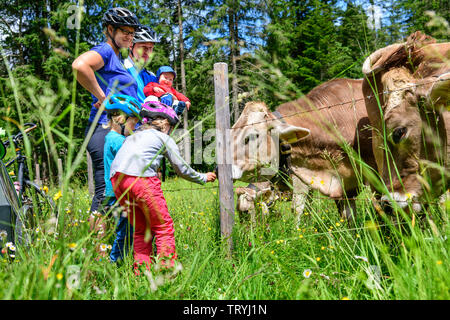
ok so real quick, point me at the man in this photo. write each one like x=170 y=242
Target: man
x=143 y=43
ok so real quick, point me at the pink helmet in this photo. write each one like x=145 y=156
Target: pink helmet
x=155 y=109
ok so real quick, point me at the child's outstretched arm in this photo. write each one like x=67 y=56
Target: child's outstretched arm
x=182 y=168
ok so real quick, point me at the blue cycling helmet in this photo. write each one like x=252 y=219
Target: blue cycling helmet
x=165 y=69
x=121 y=102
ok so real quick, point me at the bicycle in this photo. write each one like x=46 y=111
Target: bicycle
x=33 y=200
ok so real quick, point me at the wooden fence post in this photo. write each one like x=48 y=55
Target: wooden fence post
x=90 y=174
x=223 y=152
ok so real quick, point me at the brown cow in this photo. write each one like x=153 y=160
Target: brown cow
x=315 y=128
x=407 y=90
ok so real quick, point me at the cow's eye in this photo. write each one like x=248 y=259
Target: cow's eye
x=398 y=134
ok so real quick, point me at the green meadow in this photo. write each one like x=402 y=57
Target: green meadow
x=322 y=258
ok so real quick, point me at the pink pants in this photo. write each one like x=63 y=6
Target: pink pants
x=148 y=213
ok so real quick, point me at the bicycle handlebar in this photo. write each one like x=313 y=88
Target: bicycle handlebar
x=18 y=137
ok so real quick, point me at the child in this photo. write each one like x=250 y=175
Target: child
x=121 y=123
x=136 y=185
x=154 y=91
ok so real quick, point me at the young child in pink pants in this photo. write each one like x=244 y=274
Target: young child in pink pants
x=138 y=189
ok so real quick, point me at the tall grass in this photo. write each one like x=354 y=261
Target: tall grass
x=324 y=257
x=367 y=260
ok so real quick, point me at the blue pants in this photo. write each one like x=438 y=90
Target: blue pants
x=124 y=240
x=124 y=237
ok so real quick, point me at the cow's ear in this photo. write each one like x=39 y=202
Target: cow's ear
x=440 y=91
x=292 y=133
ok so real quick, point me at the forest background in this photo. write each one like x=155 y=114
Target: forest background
x=276 y=50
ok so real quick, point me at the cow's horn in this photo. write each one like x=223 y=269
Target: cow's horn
x=293 y=134
x=376 y=61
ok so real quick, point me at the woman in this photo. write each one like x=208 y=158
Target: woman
x=101 y=72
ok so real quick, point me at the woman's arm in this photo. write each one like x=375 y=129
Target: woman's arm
x=84 y=66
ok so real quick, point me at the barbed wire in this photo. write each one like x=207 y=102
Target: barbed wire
x=340 y=103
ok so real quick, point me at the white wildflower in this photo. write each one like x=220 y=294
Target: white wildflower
x=307 y=273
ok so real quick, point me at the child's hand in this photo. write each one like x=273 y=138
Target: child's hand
x=210 y=177
x=188 y=105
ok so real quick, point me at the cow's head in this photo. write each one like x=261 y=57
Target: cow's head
x=406 y=92
x=255 y=139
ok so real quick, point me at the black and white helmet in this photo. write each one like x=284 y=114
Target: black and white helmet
x=145 y=34
x=120 y=17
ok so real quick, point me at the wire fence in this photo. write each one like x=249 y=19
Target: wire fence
x=319 y=198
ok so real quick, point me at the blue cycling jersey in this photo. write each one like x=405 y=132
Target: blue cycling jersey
x=142 y=77
x=112 y=78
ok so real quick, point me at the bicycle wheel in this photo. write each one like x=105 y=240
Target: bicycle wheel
x=35 y=204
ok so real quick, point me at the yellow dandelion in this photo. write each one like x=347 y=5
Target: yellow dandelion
x=322 y=182
x=439 y=262
x=318 y=259
x=337 y=224
x=312 y=181
x=408 y=196
x=357 y=235
x=272 y=252
x=345 y=298
x=11 y=173
x=72 y=246
x=300 y=236
x=45 y=189
x=59 y=276
x=57 y=195
x=323 y=248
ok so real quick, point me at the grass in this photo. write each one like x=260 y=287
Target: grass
x=365 y=261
